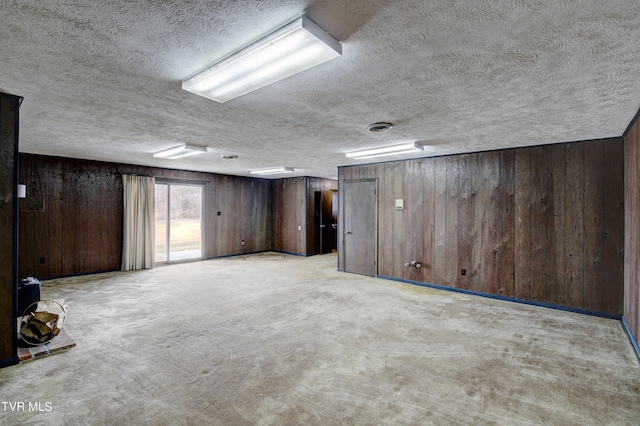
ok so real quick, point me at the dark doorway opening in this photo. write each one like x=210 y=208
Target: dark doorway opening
x=325 y=221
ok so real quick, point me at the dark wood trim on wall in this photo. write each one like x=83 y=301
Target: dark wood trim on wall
x=632 y=224
x=542 y=223
x=9 y=125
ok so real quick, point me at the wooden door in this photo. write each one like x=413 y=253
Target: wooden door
x=359 y=229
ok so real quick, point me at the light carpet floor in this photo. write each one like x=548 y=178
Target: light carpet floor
x=271 y=339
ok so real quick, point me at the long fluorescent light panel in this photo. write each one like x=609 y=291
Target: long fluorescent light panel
x=180 y=151
x=386 y=150
x=293 y=48
x=275 y=171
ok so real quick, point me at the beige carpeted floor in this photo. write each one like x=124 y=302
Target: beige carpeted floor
x=271 y=339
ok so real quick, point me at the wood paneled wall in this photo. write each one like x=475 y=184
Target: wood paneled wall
x=71 y=221
x=542 y=223
x=289 y=218
x=294 y=204
x=9 y=122
x=632 y=225
x=246 y=210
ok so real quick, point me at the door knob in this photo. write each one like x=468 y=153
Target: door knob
x=347 y=232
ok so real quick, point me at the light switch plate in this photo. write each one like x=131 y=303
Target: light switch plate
x=399 y=204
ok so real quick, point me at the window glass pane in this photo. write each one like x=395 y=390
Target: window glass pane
x=185 y=231
x=161 y=223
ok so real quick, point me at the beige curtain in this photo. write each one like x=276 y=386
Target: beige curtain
x=139 y=220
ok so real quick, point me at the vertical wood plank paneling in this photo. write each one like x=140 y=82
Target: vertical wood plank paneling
x=428 y=223
x=37 y=190
x=81 y=211
x=465 y=222
x=43 y=187
x=574 y=218
x=248 y=219
x=539 y=224
x=593 y=225
x=523 y=223
x=227 y=214
x=556 y=283
x=507 y=223
x=226 y=221
x=371 y=171
x=275 y=190
x=265 y=214
x=478 y=192
x=632 y=233
x=210 y=219
x=385 y=207
x=383 y=247
x=235 y=195
x=69 y=191
x=398 y=219
x=414 y=229
x=492 y=223
x=298 y=216
x=260 y=229
x=115 y=214
x=452 y=276
x=440 y=222
x=281 y=233
x=257 y=223
x=103 y=207
x=27 y=221
x=91 y=178
x=54 y=206
x=80 y=229
x=501 y=215
x=613 y=227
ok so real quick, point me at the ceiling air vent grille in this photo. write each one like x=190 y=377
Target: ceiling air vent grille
x=379 y=127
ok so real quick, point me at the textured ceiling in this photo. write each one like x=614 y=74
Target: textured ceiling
x=102 y=79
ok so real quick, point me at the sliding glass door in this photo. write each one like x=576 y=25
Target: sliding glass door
x=178 y=222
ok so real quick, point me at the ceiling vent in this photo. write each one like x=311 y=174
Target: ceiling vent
x=379 y=127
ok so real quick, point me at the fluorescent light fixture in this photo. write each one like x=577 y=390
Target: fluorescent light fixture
x=275 y=171
x=293 y=48
x=181 y=151
x=385 y=150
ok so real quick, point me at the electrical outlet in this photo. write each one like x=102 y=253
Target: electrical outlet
x=463 y=272
x=42 y=260
x=242 y=243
